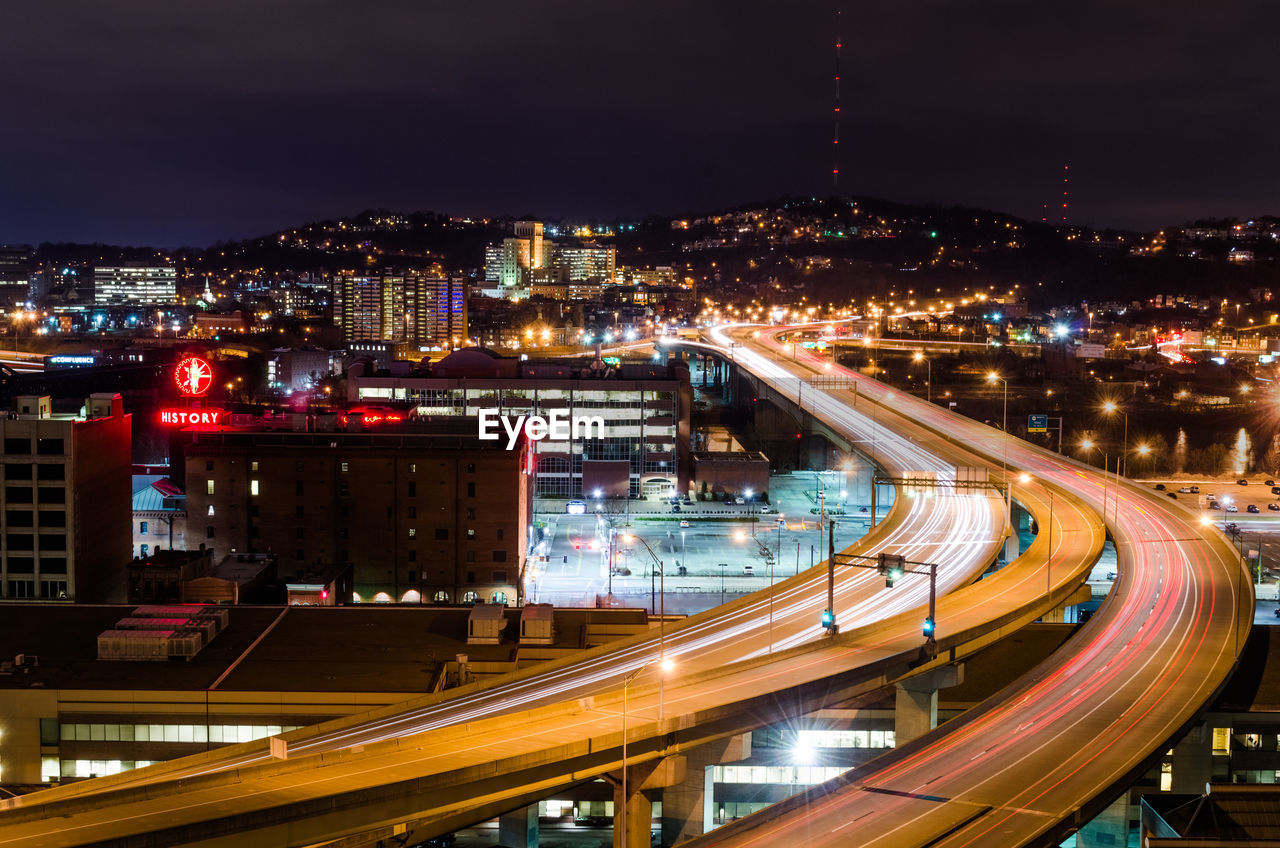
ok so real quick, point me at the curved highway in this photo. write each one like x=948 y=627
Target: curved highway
x=1039 y=759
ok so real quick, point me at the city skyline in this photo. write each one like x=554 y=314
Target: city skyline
x=146 y=124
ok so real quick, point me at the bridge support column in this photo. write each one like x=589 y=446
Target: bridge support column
x=688 y=806
x=1192 y=764
x=519 y=828
x=641 y=779
x=916 y=706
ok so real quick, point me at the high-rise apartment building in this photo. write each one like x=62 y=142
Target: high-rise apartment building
x=423 y=308
x=528 y=260
x=135 y=284
x=15 y=273
x=419 y=516
x=66 y=501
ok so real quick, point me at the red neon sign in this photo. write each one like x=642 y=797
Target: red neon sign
x=194 y=376
x=192 y=417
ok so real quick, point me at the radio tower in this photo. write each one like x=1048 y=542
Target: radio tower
x=835 y=135
x=1065 y=170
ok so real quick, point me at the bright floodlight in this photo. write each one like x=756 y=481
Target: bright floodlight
x=746 y=493
x=667 y=665
x=801 y=754
x=597 y=493
x=1143 y=450
x=992 y=376
x=1109 y=406
x=919 y=356
x=1087 y=444
x=1206 y=520
x=628 y=538
x=738 y=536
x=1024 y=478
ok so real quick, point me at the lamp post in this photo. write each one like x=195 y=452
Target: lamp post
x=1111 y=408
x=928 y=385
x=1088 y=445
x=625 y=798
x=993 y=378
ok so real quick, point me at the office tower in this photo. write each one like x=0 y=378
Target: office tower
x=135 y=284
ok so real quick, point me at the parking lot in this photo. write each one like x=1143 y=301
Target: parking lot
x=709 y=551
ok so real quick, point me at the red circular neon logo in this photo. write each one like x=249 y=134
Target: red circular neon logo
x=194 y=376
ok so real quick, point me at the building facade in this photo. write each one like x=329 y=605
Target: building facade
x=421 y=518
x=645 y=409
x=66 y=501
x=15 y=274
x=133 y=284
x=423 y=308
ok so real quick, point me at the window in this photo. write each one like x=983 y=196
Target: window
x=499 y=556
x=53 y=542
x=471 y=490
x=413 y=489
x=51 y=471
x=53 y=589
x=208 y=487
x=208 y=466
x=142 y=526
x=471 y=468
x=208 y=532
x=499 y=577
x=471 y=534
x=24 y=518
x=413 y=556
x=413 y=468
x=441 y=597
x=297 y=466
x=49 y=518
x=51 y=565
x=297 y=489
x=299 y=555
x=413 y=577
x=413 y=532
x=299 y=533
x=17 y=446
x=210 y=509
x=19 y=542
x=49 y=447
x=18 y=494
x=442 y=534
x=253 y=465
x=298 y=512
x=499 y=534
x=53 y=496
x=344 y=467
x=470 y=597
x=413 y=512
x=253 y=486
x=471 y=512
x=471 y=577
x=471 y=557
x=22 y=588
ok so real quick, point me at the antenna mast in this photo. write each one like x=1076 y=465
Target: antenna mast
x=835 y=136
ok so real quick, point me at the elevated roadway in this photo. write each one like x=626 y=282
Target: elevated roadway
x=750 y=663
x=1042 y=757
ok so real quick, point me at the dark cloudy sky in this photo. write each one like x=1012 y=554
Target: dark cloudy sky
x=175 y=122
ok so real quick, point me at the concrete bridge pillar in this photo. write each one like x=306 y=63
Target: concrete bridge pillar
x=641 y=779
x=519 y=828
x=916 y=706
x=688 y=806
x=1192 y=763
x=1110 y=828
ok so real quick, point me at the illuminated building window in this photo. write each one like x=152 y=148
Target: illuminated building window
x=208 y=487
x=253 y=486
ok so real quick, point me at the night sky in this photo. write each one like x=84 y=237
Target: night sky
x=174 y=122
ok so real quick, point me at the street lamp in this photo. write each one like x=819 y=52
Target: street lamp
x=993 y=378
x=928 y=385
x=1088 y=444
x=1111 y=408
x=625 y=798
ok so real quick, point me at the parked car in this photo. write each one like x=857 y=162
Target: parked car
x=1195 y=490
x=1253 y=508
x=1159 y=487
x=1214 y=505
x=748 y=571
x=739 y=501
x=1232 y=508
x=1274 y=507
x=1275 y=490
x=1242 y=482
x=765 y=510
x=1173 y=495
x=1185 y=490
x=1268 y=482
x=684 y=523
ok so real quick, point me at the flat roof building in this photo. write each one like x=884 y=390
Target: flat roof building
x=66 y=501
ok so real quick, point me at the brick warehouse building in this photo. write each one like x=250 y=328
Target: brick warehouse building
x=421 y=517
